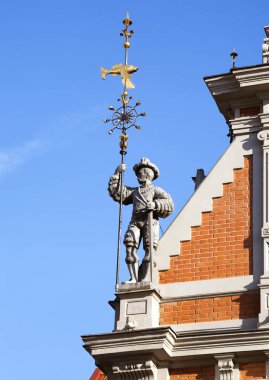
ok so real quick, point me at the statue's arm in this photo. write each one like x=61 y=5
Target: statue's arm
x=164 y=205
x=114 y=187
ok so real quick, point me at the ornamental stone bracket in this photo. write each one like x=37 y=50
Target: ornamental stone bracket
x=225 y=368
x=134 y=370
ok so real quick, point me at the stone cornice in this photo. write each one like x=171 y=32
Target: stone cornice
x=211 y=343
x=222 y=84
x=253 y=75
x=247 y=82
x=159 y=341
x=245 y=125
x=163 y=344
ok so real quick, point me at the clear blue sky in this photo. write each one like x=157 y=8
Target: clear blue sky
x=58 y=225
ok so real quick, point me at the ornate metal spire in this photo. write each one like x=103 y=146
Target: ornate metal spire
x=233 y=55
x=125 y=116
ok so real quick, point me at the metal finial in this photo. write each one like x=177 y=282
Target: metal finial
x=127 y=20
x=233 y=55
x=125 y=116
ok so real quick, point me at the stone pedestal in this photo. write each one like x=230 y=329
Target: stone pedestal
x=136 y=306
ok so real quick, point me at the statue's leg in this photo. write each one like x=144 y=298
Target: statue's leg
x=144 y=272
x=131 y=241
x=132 y=263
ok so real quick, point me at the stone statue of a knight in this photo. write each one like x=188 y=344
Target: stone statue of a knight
x=145 y=198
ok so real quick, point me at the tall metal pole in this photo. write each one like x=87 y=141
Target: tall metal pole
x=123 y=146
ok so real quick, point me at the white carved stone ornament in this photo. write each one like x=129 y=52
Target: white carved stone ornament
x=135 y=371
x=264 y=137
x=225 y=367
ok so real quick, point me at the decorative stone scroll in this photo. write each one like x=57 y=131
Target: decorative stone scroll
x=135 y=371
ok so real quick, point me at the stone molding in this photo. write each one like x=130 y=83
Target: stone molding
x=245 y=125
x=252 y=76
x=236 y=324
x=163 y=344
x=238 y=78
x=212 y=287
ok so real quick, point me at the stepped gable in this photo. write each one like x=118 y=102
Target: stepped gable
x=222 y=245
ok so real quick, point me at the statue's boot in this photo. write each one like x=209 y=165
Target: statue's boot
x=133 y=270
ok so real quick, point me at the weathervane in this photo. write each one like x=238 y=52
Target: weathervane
x=124 y=117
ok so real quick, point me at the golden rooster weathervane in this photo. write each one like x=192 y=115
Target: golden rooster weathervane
x=124 y=117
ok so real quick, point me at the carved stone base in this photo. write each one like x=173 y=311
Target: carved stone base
x=136 y=306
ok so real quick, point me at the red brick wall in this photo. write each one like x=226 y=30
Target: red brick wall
x=222 y=245
x=196 y=373
x=210 y=309
x=253 y=370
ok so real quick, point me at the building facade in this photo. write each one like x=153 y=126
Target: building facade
x=206 y=314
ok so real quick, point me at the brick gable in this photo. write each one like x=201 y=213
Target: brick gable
x=222 y=245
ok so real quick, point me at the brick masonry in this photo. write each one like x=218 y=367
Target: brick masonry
x=241 y=306
x=252 y=370
x=193 y=373
x=222 y=245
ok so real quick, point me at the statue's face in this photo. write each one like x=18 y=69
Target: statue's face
x=145 y=176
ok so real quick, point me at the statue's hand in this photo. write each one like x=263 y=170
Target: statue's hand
x=150 y=206
x=121 y=168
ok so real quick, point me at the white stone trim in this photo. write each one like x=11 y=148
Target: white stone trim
x=242 y=324
x=202 y=200
x=252 y=76
x=267 y=364
x=214 y=287
x=166 y=346
x=257 y=211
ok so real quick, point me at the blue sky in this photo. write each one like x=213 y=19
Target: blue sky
x=58 y=224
